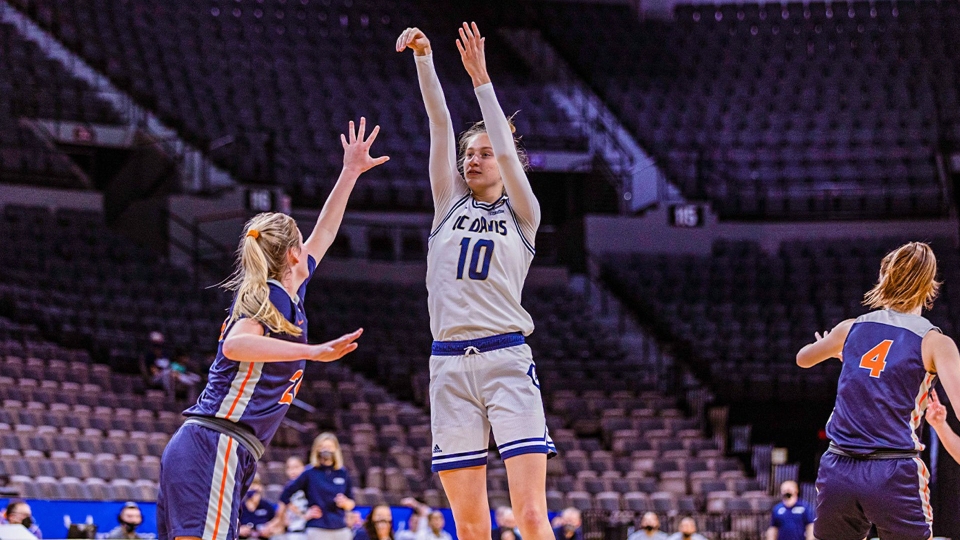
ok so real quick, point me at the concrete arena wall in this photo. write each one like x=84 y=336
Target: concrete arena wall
x=652 y=233
x=51 y=198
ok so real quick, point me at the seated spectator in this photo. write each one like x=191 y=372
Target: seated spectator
x=129 y=518
x=378 y=526
x=506 y=525
x=687 y=530
x=417 y=521
x=257 y=516
x=567 y=526
x=18 y=513
x=297 y=509
x=791 y=519
x=353 y=521
x=649 y=528
x=435 y=531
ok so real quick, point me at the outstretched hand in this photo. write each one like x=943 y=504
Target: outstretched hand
x=936 y=413
x=356 y=150
x=335 y=349
x=415 y=39
x=821 y=337
x=470 y=46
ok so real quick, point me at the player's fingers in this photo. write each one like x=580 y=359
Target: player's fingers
x=817 y=335
x=466 y=28
x=460 y=48
x=934 y=398
x=476 y=31
x=343 y=141
x=347 y=350
x=380 y=160
x=363 y=128
x=352 y=133
x=373 y=136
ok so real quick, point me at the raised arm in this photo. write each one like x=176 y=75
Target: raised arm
x=356 y=161
x=944 y=359
x=445 y=180
x=246 y=343
x=515 y=181
x=827 y=346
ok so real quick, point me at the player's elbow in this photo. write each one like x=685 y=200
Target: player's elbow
x=230 y=349
x=802 y=360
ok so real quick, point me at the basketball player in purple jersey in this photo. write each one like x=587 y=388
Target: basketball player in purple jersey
x=209 y=463
x=872 y=472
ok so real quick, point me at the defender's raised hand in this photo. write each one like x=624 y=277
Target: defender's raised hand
x=936 y=413
x=356 y=150
x=414 y=39
x=335 y=349
x=470 y=46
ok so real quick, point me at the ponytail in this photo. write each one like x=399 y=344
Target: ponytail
x=907 y=279
x=262 y=255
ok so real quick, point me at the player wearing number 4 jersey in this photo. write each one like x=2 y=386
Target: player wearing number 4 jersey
x=872 y=472
x=210 y=461
x=482 y=374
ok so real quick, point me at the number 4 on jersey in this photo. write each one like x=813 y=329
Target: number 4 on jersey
x=876 y=358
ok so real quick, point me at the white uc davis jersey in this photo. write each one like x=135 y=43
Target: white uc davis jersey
x=477 y=261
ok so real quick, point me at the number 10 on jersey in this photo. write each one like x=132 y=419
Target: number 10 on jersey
x=479 y=258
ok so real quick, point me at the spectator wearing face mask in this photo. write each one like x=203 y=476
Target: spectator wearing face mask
x=791 y=519
x=687 y=530
x=567 y=526
x=328 y=487
x=129 y=518
x=649 y=528
x=19 y=513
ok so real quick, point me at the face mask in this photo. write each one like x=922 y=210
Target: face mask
x=27 y=522
x=326 y=455
x=129 y=527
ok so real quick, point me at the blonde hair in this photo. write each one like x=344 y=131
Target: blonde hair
x=478 y=128
x=315 y=450
x=262 y=255
x=907 y=279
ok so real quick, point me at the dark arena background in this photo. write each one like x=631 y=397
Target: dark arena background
x=718 y=182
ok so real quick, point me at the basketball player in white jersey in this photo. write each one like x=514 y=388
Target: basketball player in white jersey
x=482 y=373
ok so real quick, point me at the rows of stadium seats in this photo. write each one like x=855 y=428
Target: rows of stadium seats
x=624 y=446
x=636 y=450
x=97 y=290
x=777 y=110
x=35 y=87
x=749 y=312
x=277 y=80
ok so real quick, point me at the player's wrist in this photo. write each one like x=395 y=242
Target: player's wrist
x=480 y=79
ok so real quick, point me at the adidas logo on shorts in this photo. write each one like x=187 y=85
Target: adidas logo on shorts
x=436 y=449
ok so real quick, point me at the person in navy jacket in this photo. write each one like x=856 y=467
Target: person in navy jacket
x=328 y=487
